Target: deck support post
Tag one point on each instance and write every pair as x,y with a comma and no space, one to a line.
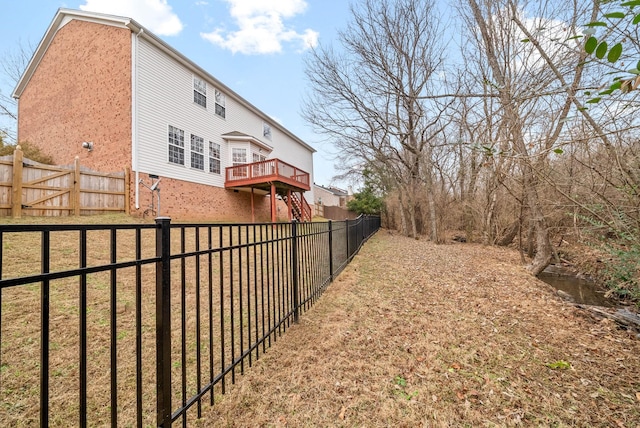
273,203
253,214
289,203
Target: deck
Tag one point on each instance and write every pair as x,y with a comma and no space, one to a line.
263,174
274,177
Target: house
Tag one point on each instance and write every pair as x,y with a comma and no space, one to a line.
331,202
106,89
330,196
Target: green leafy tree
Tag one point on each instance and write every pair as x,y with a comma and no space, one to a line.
29,150
367,201
618,45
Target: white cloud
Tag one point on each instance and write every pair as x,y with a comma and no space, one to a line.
261,27
154,14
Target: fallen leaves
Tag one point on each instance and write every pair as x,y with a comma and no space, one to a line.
442,349
341,415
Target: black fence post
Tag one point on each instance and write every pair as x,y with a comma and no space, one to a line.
294,259
163,322
330,251
44,329
346,222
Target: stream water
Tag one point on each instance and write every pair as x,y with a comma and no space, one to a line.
582,290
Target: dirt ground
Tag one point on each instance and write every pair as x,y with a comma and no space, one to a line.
416,334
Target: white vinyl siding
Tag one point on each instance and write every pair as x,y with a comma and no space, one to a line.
165,98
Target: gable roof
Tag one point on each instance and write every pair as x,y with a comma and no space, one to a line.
333,190
241,136
63,16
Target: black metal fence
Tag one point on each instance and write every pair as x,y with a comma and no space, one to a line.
139,324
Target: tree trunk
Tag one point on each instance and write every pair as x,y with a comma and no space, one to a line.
544,250
403,214
489,236
510,234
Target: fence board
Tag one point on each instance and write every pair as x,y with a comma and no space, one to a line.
34,189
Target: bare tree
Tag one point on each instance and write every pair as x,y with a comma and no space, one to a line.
535,68
369,97
13,65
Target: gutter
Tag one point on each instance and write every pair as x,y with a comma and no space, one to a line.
134,110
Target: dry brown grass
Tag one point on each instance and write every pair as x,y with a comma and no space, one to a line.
21,326
410,334
414,334
21,323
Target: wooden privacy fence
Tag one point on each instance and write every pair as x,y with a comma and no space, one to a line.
334,213
34,189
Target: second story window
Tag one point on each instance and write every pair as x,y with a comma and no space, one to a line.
176,145
220,104
266,131
197,152
199,91
214,157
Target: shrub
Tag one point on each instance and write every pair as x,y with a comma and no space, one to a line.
29,150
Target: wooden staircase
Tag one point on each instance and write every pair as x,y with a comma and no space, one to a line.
300,209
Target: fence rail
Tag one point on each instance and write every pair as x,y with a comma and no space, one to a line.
34,189
140,324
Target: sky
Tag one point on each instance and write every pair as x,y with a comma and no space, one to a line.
256,47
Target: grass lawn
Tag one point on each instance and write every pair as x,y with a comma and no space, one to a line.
410,334
417,334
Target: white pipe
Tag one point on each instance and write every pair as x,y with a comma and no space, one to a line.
134,114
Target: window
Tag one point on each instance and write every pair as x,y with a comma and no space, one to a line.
266,131
259,169
199,92
214,157
220,104
197,152
238,156
176,145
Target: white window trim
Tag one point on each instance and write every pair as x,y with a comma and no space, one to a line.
218,158
220,101
233,162
193,151
266,131
200,87
173,144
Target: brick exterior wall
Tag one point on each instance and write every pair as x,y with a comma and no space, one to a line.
81,91
184,201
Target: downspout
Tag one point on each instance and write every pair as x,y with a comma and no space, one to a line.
134,114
